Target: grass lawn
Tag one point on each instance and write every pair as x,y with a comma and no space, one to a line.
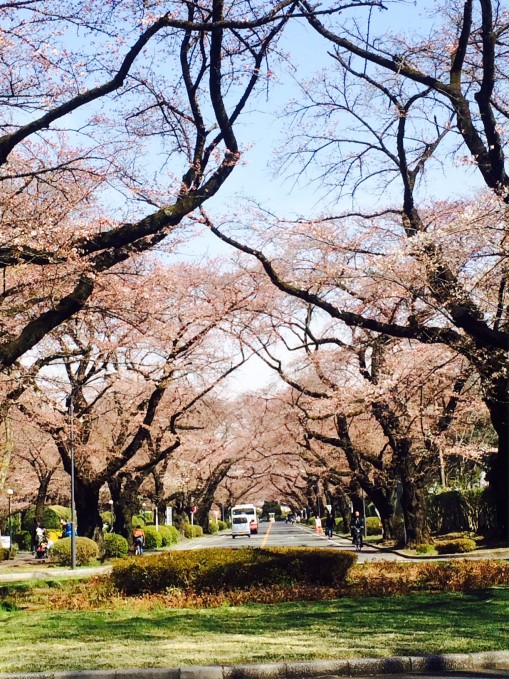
361,627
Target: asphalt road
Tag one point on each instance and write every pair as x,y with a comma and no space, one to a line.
280,534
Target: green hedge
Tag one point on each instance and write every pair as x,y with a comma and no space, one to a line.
213,527
115,546
192,531
169,535
222,525
223,569
373,525
153,538
51,517
4,554
86,551
458,546
24,540
138,520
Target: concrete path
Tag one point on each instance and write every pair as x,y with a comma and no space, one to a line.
493,664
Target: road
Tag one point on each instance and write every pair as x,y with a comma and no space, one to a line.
280,534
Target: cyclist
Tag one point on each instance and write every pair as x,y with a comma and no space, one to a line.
138,539
357,530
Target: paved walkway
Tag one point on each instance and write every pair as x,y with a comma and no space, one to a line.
493,664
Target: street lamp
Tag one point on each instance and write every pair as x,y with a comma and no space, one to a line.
10,493
73,508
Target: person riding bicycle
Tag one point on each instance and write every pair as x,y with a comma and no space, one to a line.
138,539
357,528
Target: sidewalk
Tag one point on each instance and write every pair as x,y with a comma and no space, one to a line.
25,566
440,665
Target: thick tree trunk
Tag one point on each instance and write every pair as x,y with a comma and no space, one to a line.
87,508
497,400
125,495
381,497
40,500
412,498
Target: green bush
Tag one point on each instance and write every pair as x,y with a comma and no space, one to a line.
165,536
213,527
4,554
107,518
24,540
339,525
458,546
115,546
192,531
425,549
138,520
51,517
222,525
373,525
153,538
219,569
86,551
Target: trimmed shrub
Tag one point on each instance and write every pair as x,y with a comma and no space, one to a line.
175,534
107,518
219,569
222,525
373,525
339,525
458,546
4,554
425,549
115,546
51,517
153,538
213,527
165,533
24,540
192,531
86,551
138,520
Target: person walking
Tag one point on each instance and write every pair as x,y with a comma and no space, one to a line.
138,539
329,525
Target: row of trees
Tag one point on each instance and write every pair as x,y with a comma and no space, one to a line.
396,310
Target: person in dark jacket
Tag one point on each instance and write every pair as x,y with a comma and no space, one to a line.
357,527
329,525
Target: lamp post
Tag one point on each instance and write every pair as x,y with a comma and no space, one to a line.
10,493
73,508
110,502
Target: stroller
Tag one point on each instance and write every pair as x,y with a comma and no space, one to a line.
41,551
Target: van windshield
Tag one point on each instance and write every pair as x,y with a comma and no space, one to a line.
240,519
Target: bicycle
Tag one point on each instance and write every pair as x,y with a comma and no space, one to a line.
138,547
357,538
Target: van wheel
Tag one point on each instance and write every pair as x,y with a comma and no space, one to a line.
233,536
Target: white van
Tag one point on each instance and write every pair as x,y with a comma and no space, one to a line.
241,525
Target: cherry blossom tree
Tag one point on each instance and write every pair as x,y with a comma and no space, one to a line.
433,271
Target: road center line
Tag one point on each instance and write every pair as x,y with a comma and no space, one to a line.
266,535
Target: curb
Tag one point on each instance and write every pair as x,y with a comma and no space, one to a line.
355,667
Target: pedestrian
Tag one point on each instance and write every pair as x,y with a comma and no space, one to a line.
66,529
329,525
357,528
39,534
138,539
318,525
